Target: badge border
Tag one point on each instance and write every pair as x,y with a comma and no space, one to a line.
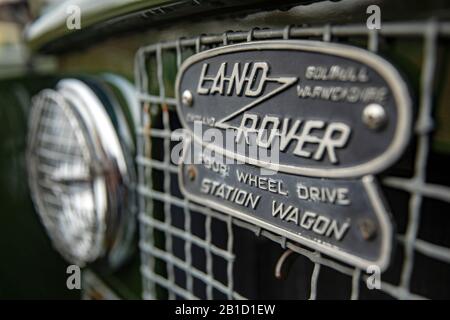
383,67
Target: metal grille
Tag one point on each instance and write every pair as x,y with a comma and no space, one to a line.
93,288
175,232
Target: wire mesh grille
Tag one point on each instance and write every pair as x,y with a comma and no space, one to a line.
175,234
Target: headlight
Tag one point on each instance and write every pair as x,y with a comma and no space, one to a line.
80,174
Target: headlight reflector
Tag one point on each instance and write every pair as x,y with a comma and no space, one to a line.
79,175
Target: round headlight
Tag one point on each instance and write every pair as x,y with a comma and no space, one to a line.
80,174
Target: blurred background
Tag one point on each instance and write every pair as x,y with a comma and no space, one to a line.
29,266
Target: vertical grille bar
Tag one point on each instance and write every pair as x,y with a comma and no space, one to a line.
230,243
314,279
423,127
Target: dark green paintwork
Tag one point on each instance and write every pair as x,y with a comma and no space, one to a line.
29,267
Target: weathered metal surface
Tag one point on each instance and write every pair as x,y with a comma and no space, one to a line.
288,134
346,219
330,110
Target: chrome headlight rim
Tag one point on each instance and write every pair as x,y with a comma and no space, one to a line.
110,168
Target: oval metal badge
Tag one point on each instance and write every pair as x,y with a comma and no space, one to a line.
327,110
